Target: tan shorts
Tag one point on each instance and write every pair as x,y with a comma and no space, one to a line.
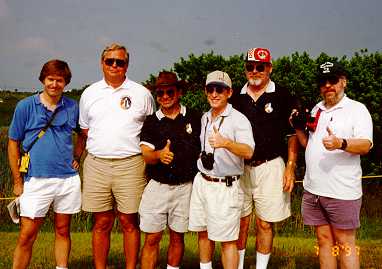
263,187
164,204
215,208
113,181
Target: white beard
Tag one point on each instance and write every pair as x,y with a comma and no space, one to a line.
255,82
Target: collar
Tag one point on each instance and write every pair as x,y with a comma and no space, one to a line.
124,85
37,101
339,105
271,87
160,114
227,111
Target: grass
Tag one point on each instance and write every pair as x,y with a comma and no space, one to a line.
288,252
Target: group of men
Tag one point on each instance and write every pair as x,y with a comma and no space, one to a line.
175,168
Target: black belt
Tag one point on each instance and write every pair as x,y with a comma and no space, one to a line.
227,179
255,163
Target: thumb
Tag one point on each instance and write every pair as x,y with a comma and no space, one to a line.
215,130
330,132
168,144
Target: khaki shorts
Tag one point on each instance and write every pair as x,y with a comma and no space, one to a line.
40,193
113,181
215,208
263,186
164,204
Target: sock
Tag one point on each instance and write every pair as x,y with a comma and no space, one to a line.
241,258
207,265
59,267
262,260
171,267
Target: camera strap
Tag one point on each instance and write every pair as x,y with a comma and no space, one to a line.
43,130
205,131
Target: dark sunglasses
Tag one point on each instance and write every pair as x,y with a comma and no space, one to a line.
169,92
118,62
332,81
251,67
219,89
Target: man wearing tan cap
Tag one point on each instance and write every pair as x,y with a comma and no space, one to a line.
170,146
266,182
216,199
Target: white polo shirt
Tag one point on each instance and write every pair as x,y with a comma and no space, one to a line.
114,117
235,127
337,174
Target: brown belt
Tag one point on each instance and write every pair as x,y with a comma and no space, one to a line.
255,163
227,179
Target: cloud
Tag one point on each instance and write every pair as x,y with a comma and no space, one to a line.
156,45
33,43
209,42
4,9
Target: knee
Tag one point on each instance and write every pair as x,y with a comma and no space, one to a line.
152,240
62,231
129,223
263,226
177,241
27,239
103,225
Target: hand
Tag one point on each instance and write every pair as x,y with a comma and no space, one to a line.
216,140
289,178
18,188
165,155
331,142
75,164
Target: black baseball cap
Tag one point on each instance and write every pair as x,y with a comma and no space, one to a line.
331,69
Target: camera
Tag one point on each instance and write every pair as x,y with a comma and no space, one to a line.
300,119
207,160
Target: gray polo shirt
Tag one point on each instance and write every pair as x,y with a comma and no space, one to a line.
236,127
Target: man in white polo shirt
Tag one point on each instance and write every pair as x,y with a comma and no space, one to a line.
112,112
341,132
216,199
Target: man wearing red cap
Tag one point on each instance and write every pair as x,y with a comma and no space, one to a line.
332,183
170,146
267,181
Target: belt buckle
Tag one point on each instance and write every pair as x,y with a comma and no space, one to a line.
228,181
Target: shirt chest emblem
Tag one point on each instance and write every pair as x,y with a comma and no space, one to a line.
268,108
125,102
188,128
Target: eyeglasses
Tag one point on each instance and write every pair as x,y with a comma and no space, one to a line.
118,62
251,67
332,81
162,92
219,89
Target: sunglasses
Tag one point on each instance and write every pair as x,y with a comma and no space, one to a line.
118,62
168,92
332,81
251,67
219,89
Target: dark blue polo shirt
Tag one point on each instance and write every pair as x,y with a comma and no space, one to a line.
52,154
269,117
183,132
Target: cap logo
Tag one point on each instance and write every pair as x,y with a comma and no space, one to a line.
326,67
262,54
251,54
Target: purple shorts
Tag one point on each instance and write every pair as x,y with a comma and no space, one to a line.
341,214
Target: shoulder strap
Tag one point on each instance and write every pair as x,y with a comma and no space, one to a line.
43,130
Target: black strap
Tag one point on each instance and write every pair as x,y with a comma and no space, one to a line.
43,130
205,130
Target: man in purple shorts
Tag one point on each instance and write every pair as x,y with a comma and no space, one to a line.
332,183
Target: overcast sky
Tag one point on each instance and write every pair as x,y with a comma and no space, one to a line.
159,32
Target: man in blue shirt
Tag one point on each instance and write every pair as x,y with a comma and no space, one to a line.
51,176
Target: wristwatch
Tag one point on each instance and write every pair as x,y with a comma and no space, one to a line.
344,144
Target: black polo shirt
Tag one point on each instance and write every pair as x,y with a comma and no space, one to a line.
183,132
269,117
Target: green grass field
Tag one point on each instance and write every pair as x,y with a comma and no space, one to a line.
288,252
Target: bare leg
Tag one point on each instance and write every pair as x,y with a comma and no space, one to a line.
230,255
349,254
243,235
101,237
206,247
264,236
326,243
150,250
28,234
62,241
131,238
175,249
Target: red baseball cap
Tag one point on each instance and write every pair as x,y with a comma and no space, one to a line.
258,55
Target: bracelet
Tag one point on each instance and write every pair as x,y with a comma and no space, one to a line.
344,144
291,163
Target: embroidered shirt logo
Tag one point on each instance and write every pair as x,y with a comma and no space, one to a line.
188,128
268,108
125,102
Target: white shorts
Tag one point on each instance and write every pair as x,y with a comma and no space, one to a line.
215,208
40,193
263,186
164,204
